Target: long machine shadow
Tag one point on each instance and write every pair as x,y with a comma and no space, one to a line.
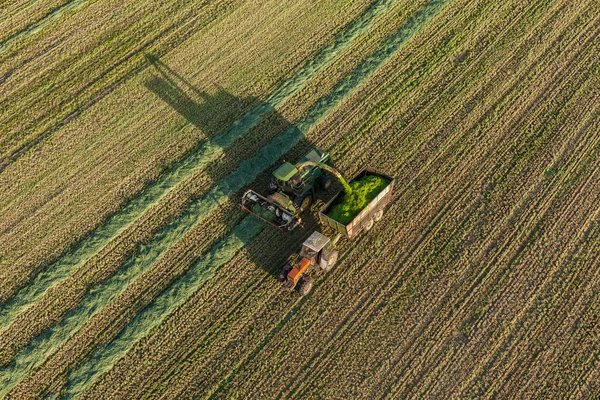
209,112
197,107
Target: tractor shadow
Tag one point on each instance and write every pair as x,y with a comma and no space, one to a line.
216,113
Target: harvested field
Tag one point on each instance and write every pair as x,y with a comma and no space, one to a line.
130,131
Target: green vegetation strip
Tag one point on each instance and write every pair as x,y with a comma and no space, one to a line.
270,154
184,169
220,254
41,24
352,203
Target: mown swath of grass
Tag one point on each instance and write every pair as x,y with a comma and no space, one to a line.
247,171
268,155
206,154
41,24
220,254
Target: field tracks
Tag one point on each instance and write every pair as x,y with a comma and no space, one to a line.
186,168
249,169
199,159
163,305
471,291
481,280
267,155
29,30
227,187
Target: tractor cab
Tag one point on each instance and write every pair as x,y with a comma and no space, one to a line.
316,250
311,248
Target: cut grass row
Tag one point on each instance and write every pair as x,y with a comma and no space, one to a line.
52,193
37,259
20,17
84,177
70,292
192,164
250,168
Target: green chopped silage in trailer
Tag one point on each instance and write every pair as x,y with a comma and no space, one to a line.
364,190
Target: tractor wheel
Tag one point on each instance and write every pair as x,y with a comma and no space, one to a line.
369,225
325,182
284,271
332,260
303,202
305,287
378,215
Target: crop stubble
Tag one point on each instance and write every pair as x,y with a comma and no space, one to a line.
446,240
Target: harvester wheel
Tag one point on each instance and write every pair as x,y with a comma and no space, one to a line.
378,215
332,260
325,182
369,224
303,202
305,287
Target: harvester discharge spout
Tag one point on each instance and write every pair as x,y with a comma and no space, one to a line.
329,169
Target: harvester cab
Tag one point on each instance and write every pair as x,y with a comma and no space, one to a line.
317,250
290,191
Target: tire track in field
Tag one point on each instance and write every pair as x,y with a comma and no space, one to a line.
198,160
36,27
442,328
250,169
268,155
500,293
530,355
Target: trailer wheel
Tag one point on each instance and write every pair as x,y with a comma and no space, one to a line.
369,224
378,215
305,287
303,202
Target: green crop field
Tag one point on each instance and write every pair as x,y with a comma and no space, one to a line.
130,130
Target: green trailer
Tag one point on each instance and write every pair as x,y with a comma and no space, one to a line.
370,214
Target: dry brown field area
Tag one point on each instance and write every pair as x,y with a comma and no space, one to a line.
129,131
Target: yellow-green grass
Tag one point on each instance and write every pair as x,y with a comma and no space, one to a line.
489,121
96,162
238,293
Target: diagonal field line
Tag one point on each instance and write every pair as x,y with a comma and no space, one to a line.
220,254
206,154
179,292
30,30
